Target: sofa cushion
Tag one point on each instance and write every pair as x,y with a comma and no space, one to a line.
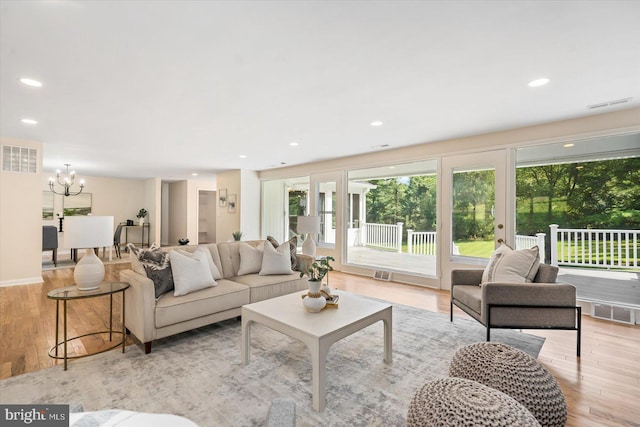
265,287
153,263
512,266
470,296
250,258
276,260
191,272
293,249
227,295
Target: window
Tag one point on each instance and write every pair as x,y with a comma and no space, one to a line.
391,220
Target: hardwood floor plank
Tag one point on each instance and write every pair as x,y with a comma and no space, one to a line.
602,387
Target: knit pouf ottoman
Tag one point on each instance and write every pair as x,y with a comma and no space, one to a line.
462,402
515,373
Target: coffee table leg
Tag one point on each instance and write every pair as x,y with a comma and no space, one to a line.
319,352
244,341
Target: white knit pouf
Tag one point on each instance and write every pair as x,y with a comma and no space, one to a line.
462,402
515,373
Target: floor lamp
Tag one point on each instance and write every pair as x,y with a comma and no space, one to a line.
88,232
309,225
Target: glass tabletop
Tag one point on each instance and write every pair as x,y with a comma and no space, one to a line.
72,292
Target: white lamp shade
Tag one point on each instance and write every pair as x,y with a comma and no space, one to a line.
88,231
308,224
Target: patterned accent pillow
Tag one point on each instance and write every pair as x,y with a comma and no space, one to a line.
293,248
155,265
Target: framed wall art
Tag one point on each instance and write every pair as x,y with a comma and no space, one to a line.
222,197
80,204
232,202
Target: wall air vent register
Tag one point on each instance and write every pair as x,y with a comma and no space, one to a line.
19,159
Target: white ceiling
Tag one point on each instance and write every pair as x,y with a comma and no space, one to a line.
167,88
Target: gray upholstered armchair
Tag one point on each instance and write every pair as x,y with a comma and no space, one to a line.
543,304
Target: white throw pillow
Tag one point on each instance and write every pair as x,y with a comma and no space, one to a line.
509,265
276,261
215,272
250,258
190,273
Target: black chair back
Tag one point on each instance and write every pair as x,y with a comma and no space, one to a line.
49,237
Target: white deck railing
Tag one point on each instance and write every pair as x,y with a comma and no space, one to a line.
574,247
382,236
421,242
526,242
596,248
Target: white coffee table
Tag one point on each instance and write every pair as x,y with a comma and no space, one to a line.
318,331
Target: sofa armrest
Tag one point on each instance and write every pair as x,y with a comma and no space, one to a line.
529,294
466,277
560,298
140,305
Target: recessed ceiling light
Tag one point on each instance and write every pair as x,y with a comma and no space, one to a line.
194,174
539,82
293,144
29,121
242,156
569,145
376,123
30,82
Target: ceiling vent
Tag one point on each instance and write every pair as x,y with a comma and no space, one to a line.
609,103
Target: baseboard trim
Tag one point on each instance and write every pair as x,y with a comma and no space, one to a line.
26,281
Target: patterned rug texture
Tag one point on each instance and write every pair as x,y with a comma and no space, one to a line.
199,375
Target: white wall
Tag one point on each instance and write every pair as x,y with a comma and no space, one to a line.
249,205
228,222
178,212
21,221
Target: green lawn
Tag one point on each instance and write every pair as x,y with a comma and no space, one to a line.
475,248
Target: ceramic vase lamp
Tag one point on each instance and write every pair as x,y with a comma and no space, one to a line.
88,232
309,225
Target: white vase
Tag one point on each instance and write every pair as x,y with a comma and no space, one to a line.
141,221
89,272
314,301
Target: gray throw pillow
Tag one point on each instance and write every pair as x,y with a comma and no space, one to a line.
157,267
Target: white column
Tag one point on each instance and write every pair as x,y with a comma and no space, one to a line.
554,244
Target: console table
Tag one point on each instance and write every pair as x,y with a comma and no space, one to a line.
72,293
146,227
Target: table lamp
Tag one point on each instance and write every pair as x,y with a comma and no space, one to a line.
88,232
309,225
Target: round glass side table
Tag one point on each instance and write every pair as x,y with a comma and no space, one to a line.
72,293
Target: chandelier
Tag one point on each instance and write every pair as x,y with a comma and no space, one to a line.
66,181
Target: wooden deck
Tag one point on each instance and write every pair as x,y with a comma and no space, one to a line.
592,285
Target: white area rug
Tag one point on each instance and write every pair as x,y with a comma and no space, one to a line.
199,375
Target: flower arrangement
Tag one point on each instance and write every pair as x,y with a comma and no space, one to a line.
142,213
318,269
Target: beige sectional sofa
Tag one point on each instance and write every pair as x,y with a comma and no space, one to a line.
149,318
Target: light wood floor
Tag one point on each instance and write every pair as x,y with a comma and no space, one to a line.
602,387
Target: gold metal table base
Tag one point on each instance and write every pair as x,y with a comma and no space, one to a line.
53,351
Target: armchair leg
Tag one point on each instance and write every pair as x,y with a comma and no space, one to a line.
450,310
55,257
579,328
488,333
